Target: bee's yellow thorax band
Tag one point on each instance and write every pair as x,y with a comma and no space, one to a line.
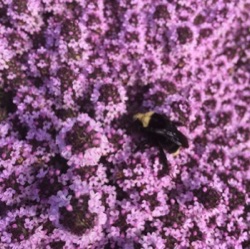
176,153
144,118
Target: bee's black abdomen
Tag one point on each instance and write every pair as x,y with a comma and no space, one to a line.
172,148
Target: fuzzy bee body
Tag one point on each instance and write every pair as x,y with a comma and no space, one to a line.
162,130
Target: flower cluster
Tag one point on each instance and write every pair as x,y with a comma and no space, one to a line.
75,172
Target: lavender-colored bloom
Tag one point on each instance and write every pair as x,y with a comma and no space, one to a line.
74,171
82,141
109,100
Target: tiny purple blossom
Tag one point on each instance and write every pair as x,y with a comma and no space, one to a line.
74,171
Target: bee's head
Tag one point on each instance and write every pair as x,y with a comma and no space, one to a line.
143,118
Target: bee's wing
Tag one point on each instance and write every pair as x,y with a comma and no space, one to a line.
174,136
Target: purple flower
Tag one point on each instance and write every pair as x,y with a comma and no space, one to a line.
82,141
109,100
75,172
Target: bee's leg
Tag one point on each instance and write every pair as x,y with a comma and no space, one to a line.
164,161
163,156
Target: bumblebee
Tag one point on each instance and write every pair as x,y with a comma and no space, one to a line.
161,130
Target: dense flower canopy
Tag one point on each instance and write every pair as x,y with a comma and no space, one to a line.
74,172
